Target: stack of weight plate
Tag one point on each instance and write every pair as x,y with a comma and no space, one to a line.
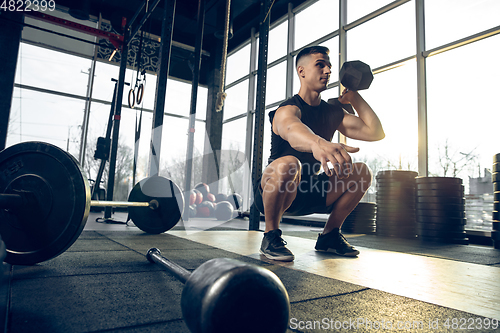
441,210
361,220
396,203
495,233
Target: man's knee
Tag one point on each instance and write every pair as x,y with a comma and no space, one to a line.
282,174
363,172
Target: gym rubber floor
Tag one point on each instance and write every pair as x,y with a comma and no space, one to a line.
103,283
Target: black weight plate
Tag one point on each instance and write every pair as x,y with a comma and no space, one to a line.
57,216
496,186
496,205
496,158
495,235
496,167
171,204
495,177
395,193
397,174
441,180
439,193
446,213
496,196
496,225
391,183
395,206
496,215
442,227
441,200
441,219
438,186
430,205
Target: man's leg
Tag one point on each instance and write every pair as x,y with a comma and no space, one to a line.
279,184
344,195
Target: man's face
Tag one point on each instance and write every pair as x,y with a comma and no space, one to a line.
314,71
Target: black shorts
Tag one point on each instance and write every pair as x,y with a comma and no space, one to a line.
310,199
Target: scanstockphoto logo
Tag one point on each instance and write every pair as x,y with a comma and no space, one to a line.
231,167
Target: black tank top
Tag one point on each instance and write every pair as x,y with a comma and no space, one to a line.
323,120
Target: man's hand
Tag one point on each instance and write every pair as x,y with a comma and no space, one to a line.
347,96
335,153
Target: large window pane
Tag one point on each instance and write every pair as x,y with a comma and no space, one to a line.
385,39
359,8
463,126
277,45
45,117
236,101
449,20
52,70
233,161
396,108
316,21
276,83
238,64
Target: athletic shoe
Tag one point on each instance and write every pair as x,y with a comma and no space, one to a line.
335,242
273,247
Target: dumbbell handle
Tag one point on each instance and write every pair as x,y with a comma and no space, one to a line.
155,257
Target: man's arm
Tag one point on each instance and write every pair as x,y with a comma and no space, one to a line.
287,124
366,126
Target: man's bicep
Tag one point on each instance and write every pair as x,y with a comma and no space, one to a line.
350,126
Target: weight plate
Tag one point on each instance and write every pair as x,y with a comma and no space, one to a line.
381,183
496,158
438,186
496,215
447,213
441,200
430,205
438,226
396,174
496,226
496,186
59,204
495,177
441,219
439,193
496,167
496,205
441,180
395,192
495,235
496,196
168,213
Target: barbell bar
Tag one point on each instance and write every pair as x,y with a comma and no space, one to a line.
45,201
227,295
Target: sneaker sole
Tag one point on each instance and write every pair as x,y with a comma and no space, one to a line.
278,258
348,254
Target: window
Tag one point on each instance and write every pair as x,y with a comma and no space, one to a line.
316,21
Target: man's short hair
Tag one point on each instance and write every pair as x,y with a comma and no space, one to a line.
311,50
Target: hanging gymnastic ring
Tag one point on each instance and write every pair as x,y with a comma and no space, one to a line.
140,94
131,102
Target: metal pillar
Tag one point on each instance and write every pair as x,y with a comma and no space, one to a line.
194,96
342,49
260,106
161,85
290,66
116,125
422,92
10,37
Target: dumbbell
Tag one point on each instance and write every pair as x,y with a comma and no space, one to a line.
354,75
226,295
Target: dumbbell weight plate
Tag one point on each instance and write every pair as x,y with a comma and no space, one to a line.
444,213
496,186
60,205
441,220
438,226
440,180
496,196
496,205
495,177
496,167
170,200
496,158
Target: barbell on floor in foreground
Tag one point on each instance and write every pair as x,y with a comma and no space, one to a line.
45,202
226,295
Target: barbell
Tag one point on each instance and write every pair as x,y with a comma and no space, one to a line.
226,295
45,202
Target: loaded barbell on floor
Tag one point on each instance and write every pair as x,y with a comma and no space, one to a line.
45,202
226,295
